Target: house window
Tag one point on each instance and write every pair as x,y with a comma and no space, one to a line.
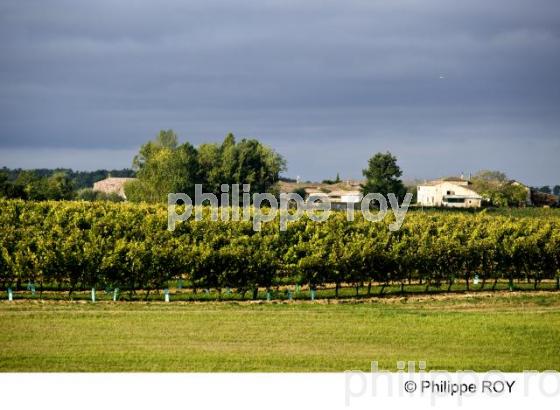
455,200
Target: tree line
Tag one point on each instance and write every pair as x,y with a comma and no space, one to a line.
163,166
55,184
79,245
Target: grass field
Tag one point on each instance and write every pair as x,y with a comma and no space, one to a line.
503,331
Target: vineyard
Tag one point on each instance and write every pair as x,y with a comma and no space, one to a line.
72,247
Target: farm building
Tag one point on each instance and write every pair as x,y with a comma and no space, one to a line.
339,199
112,186
451,192
339,194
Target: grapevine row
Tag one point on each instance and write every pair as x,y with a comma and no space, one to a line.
79,245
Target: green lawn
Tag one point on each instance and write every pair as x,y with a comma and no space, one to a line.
503,331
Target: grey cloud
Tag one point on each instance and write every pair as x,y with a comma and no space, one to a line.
314,75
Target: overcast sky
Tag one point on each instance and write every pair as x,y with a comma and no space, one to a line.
447,86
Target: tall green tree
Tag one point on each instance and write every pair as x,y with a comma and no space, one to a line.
245,162
59,186
31,186
383,176
163,166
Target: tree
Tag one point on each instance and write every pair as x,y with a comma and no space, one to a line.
556,190
4,185
165,139
163,167
382,176
31,186
245,162
88,194
490,176
80,179
496,188
546,189
59,186
301,192
331,181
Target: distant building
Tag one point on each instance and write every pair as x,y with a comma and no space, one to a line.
339,199
112,186
453,192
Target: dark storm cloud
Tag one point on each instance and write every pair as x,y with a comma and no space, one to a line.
448,86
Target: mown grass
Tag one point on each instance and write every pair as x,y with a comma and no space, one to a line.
502,331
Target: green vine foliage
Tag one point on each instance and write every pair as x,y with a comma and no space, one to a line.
79,245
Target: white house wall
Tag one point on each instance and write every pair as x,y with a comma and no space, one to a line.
432,195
